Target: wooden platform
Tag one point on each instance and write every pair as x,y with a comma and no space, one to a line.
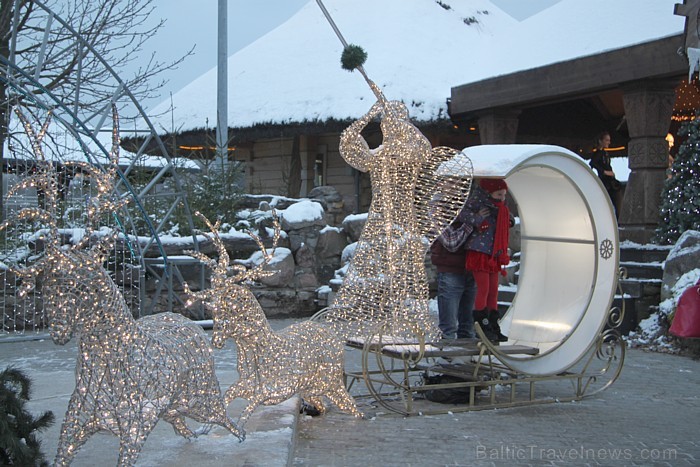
402,348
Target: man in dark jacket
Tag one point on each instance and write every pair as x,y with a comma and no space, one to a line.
600,162
456,287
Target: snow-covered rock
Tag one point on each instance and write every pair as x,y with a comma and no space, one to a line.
353,225
684,257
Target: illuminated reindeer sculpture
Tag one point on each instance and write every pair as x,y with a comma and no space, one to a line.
304,358
130,373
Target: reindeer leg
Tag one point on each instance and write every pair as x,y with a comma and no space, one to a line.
203,429
253,403
344,401
214,406
74,432
339,395
133,437
219,416
236,390
225,422
173,417
316,401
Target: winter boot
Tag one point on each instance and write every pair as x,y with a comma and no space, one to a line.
495,327
482,317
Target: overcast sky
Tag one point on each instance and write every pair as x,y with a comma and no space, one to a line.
195,24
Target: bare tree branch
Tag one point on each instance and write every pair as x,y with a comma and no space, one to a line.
76,71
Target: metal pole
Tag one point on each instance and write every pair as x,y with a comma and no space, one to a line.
222,86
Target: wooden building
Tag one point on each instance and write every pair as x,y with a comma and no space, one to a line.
634,89
638,93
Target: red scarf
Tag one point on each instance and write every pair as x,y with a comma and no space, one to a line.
500,239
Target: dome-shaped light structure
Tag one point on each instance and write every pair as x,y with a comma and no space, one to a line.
569,253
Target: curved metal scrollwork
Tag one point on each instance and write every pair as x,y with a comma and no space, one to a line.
609,350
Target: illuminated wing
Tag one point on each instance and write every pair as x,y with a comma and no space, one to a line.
442,188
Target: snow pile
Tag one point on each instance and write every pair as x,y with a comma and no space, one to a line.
279,254
652,334
303,211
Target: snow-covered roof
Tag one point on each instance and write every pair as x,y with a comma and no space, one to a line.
67,147
417,51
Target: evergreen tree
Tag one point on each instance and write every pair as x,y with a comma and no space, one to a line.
18,442
216,191
680,198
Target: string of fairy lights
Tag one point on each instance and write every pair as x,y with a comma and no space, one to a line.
687,101
304,358
129,373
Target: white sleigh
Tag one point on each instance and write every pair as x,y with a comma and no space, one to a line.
561,326
569,262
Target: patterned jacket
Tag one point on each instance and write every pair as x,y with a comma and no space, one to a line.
481,238
447,252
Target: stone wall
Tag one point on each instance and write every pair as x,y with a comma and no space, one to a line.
319,248
308,254
310,257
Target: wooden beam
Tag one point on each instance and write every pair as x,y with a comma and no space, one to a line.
571,79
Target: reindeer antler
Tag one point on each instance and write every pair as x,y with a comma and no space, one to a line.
104,184
223,262
221,268
257,272
46,180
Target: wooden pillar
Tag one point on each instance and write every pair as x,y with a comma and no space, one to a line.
648,111
498,126
307,151
294,183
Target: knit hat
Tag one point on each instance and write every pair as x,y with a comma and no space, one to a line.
493,184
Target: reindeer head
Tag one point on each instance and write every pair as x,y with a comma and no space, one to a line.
234,308
73,276
76,289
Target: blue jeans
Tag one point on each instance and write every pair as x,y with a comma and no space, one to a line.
456,294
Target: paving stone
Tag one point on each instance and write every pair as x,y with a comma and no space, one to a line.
649,416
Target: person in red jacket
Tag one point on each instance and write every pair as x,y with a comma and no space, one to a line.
487,249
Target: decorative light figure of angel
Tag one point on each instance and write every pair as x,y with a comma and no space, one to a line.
386,284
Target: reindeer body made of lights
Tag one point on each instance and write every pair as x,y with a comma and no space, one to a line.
305,358
129,373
